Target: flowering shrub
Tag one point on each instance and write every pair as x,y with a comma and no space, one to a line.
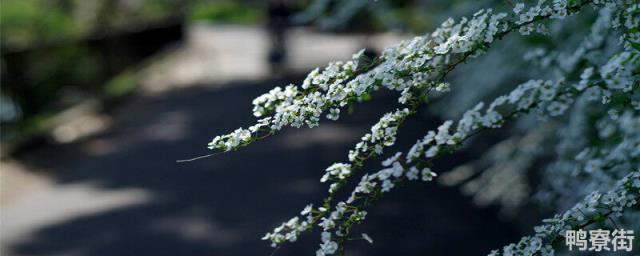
595,84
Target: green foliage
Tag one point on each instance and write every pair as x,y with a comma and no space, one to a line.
225,12
121,85
34,21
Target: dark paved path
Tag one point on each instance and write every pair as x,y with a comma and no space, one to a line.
224,204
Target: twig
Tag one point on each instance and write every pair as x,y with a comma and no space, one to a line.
198,157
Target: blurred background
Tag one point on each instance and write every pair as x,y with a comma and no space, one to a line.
100,98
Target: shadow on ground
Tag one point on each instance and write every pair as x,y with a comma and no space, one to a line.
222,205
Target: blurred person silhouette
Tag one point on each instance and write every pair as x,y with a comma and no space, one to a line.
278,14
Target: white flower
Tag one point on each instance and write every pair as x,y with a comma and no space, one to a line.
518,8
593,93
392,159
307,209
443,136
557,108
584,78
431,152
325,236
337,170
327,223
412,174
397,169
386,186
334,114
428,175
443,87
525,30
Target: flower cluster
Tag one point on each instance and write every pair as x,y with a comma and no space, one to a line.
415,67
625,194
433,144
382,134
504,166
588,49
407,67
338,170
290,230
534,95
407,63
